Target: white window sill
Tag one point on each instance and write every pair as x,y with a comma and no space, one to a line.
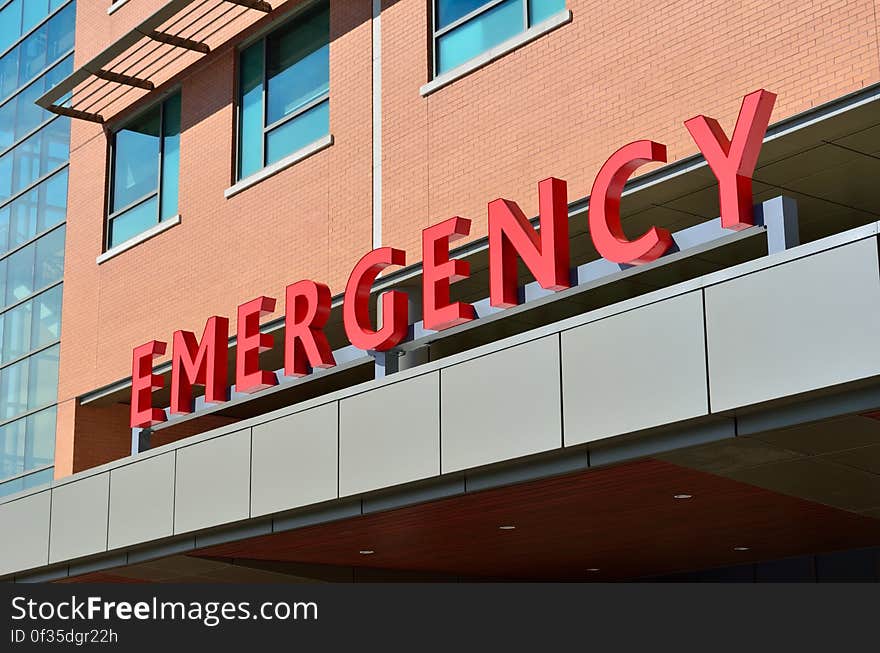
155,230
116,5
278,166
534,32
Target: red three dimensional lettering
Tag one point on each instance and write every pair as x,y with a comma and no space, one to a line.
250,343
604,211
306,313
733,161
199,363
356,305
143,382
438,272
546,255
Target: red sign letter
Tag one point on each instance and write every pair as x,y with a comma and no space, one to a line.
438,272
250,343
194,363
604,212
733,161
143,382
306,313
356,306
545,255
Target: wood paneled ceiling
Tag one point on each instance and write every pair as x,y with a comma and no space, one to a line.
623,520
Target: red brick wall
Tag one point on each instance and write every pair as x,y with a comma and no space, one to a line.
557,106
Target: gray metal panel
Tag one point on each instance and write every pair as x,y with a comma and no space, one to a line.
796,327
635,370
79,518
501,406
295,460
390,435
212,484
25,525
142,501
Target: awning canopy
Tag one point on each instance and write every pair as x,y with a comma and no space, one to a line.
147,56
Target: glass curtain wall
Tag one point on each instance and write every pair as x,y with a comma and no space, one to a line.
36,52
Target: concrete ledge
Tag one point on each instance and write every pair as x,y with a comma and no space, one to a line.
490,55
278,166
155,230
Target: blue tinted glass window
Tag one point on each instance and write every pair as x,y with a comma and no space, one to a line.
35,266
37,479
33,55
46,317
39,154
40,478
291,70
23,217
479,34
541,10
61,32
136,160
10,24
16,332
40,48
33,11
132,222
33,212
145,172
49,258
13,389
39,448
9,73
43,377
20,274
449,11
464,29
295,134
12,442
297,64
170,157
31,325
250,140
20,115
53,201
5,212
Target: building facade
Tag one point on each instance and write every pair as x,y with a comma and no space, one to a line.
242,390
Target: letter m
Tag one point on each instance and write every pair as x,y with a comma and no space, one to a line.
199,363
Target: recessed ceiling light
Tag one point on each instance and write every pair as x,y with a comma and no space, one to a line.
682,496
740,548
593,570
507,528
366,552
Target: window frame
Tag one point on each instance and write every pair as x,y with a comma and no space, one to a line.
262,37
436,33
111,171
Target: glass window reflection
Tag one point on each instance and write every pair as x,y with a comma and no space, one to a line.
52,40
136,160
145,172
290,69
464,29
